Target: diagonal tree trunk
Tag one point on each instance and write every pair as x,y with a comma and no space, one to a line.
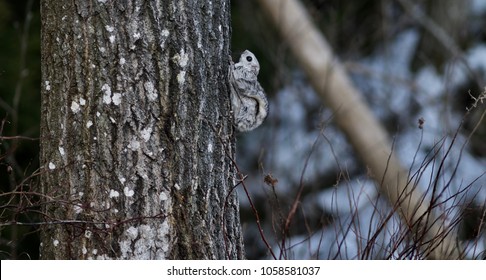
135,133
364,132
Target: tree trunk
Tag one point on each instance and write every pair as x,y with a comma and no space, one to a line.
136,139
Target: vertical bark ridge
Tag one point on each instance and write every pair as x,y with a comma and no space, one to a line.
133,163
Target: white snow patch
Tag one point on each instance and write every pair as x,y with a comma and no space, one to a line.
132,232
75,107
125,248
61,150
89,124
151,93
47,85
55,242
84,250
137,35
109,28
183,58
82,101
52,166
128,192
162,234
210,148
112,39
103,257
163,196
473,248
394,62
122,61
165,33
77,208
476,57
88,234
143,248
181,77
106,93
348,196
433,85
146,133
134,145
116,98
114,193
144,245
478,7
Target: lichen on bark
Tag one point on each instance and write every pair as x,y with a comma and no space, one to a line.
138,104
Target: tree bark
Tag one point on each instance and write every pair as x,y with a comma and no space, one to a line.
136,139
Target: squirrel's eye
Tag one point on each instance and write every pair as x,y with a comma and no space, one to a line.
249,59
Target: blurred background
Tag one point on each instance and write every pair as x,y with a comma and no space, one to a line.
390,50
19,116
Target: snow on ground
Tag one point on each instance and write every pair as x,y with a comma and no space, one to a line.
478,7
288,138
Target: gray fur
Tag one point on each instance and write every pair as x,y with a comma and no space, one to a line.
248,100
